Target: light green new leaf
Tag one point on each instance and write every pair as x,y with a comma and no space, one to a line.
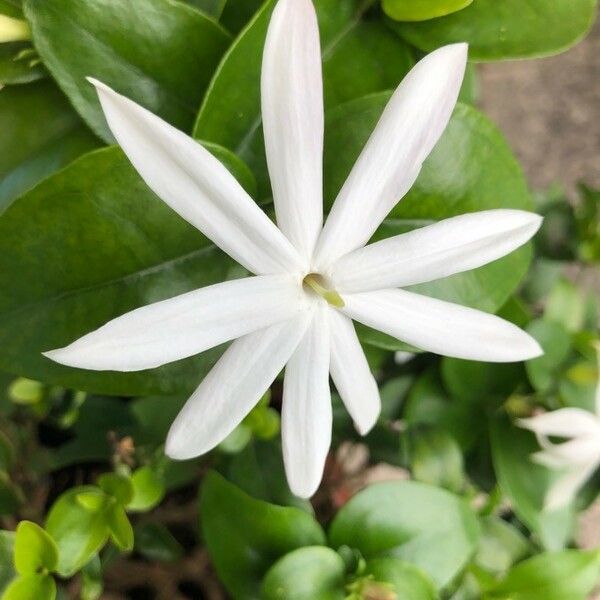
311,573
506,29
160,53
31,587
118,486
567,575
35,550
359,58
421,10
87,245
423,525
404,579
245,536
121,531
41,133
148,489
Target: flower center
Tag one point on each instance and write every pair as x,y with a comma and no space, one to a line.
317,284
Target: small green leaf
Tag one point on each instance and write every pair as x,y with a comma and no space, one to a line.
148,489
155,542
566,575
118,486
566,306
35,550
31,587
93,500
120,528
421,10
405,580
501,545
7,572
245,536
91,580
26,391
311,573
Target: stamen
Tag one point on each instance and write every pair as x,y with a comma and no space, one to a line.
315,282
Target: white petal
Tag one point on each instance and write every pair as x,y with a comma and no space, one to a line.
292,113
450,246
351,373
409,128
233,387
565,422
306,415
578,451
441,327
185,325
197,186
564,490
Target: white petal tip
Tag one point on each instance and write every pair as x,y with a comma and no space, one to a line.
61,356
458,51
365,426
534,350
303,489
175,449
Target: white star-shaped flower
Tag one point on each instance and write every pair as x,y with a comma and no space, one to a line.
578,457
310,279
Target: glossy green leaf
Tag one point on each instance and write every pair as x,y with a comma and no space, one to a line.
501,545
148,489
11,8
118,486
421,524
245,536
41,133
31,587
359,57
555,340
525,483
121,531
35,550
79,531
236,15
504,29
312,573
109,245
112,40
214,8
421,10
19,64
567,575
405,580
155,542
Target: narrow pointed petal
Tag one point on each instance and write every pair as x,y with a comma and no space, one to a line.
306,416
185,325
577,451
351,373
197,186
233,387
408,129
564,490
445,248
292,113
565,422
441,327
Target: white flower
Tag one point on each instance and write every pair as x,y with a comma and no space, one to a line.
310,280
578,457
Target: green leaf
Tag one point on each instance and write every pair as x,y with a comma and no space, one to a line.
91,580
159,53
109,245
504,29
19,64
359,57
312,573
406,580
567,575
155,542
7,571
79,530
525,483
236,15
423,525
501,545
421,10
10,8
35,550
40,134
214,8
555,340
121,531
31,587
148,489
118,486
245,536
566,306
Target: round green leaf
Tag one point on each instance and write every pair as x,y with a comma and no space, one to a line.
31,587
118,486
79,530
40,134
35,550
148,489
406,580
121,531
111,40
88,244
505,29
567,575
312,573
429,527
421,10
245,536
